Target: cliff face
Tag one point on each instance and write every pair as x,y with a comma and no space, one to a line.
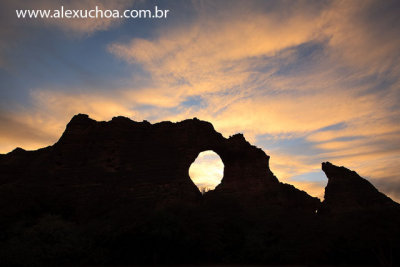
119,192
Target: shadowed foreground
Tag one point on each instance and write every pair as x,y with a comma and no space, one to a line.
118,193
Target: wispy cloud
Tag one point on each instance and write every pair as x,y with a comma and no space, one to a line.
75,26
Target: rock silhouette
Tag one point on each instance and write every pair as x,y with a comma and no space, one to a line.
348,192
119,192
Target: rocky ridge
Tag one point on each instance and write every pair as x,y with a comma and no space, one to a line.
119,192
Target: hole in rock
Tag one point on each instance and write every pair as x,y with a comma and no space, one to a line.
207,171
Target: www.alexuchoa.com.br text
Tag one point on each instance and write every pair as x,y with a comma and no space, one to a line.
95,13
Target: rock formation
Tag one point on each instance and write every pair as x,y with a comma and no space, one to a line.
119,192
346,191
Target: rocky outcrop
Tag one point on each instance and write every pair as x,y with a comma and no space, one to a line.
119,193
346,191
360,224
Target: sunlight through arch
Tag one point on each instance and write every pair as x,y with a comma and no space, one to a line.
207,171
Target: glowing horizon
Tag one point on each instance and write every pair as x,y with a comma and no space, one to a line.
207,170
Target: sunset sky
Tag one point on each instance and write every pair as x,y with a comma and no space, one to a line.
306,81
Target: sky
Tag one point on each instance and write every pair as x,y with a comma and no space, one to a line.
207,170
306,81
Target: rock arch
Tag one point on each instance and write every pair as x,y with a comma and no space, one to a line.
155,159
